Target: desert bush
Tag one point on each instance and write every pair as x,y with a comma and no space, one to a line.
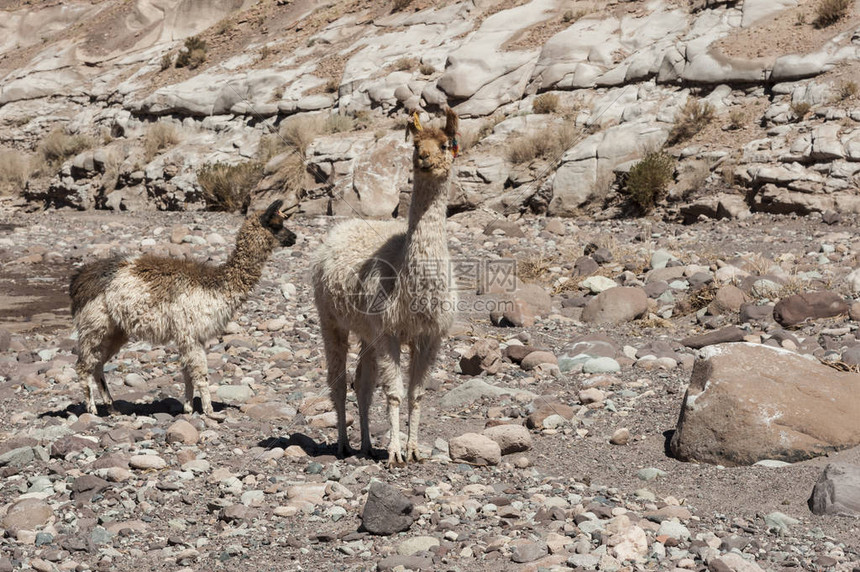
401,4
737,118
228,187
332,85
159,136
847,89
194,54
549,144
545,103
57,146
649,178
405,64
14,171
426,69
694,117
338,123
828,12
297,133
799,109
166,61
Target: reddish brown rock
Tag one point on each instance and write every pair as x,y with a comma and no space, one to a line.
728,299
618,304
748,402
721,336
808,306
544,410
483,356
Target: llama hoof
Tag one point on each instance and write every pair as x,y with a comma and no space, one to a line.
344,451
412,456
395,459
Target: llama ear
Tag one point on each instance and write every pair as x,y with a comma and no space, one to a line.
289,211
271,211
414,126
452,123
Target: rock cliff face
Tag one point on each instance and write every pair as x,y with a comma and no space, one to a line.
559,101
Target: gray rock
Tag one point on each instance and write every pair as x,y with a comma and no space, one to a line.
387,511
837,491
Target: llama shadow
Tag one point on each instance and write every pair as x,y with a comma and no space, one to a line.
168,405
314,449
667,440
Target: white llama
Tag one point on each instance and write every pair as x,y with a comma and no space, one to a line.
164,300
389,283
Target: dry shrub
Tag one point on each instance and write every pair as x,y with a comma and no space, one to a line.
828,12
534,269
228,187
166,61
847,89
799,109
338,123
405,64
472,137
194,53
737,119
649,178
426,69
57,146
158,137
15,169
332,85
297,133
545,103
549,144
401,5
694,117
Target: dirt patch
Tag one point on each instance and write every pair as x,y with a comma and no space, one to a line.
35,301
791,32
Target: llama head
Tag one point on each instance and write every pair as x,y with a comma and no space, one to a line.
273,221
435,148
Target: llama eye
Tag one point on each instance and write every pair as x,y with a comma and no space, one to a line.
444,146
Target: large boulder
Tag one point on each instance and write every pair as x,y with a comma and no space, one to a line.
837,491
748,402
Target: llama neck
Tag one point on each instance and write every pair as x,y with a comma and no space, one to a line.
244,267
426,239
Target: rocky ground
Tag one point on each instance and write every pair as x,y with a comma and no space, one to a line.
585,481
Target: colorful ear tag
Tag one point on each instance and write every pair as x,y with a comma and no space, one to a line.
455,146
416,122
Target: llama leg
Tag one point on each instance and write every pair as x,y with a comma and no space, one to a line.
195,362
365,384
392,384
110,346
336,342
92,330
423,357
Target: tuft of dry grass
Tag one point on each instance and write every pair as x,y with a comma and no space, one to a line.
228,187
695,116
166,61
426,69
737,119
847,90
15,169
800,109
828,12
405,64
545,103
401,5
57,146
159,136
472,137
549,144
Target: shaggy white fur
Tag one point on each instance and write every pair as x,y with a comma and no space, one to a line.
165,300
389,283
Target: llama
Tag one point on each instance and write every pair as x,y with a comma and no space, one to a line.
388,283
164,300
